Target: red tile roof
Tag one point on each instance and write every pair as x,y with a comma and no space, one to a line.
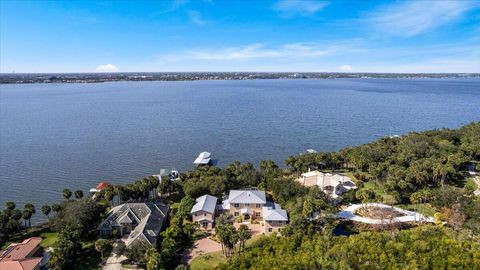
102,185
26,264
17,255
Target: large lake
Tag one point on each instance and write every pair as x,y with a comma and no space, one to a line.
55,136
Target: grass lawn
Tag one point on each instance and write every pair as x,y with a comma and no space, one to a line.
424,208
208,261
213,259
48,237
379,191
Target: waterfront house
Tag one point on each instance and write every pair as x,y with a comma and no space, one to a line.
275,218
140,222
247,205
333,184
26,255
203,212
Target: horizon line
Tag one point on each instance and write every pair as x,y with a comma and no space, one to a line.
273,72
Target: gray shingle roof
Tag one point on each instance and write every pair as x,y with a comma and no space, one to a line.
149,216
205,203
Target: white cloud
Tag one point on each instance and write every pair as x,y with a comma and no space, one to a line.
411,18
346,68
259,51
290,8
196,17
106,68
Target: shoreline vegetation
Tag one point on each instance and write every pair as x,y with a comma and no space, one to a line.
427,172
26,78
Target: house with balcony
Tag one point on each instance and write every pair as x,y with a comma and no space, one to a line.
275,218
248,205
203,212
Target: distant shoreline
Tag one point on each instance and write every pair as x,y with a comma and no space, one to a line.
29,78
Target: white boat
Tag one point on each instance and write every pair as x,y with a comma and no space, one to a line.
203,159
174,175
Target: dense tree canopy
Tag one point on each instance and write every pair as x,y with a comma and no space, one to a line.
420,248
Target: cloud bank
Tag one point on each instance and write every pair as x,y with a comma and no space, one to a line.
106,68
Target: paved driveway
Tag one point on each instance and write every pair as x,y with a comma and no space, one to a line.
255,228
114,262
207,245
200,247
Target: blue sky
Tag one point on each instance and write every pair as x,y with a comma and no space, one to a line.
214,35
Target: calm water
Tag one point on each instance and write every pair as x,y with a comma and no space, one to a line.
54,136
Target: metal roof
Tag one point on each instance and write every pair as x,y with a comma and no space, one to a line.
247,196
205,203
274,214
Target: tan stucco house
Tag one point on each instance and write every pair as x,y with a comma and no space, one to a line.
333,184
203,212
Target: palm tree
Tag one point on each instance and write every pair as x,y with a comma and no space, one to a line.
154,182
30,207
46,209
10,205
78,194
27,215
67,193
17,215
56,208
244,234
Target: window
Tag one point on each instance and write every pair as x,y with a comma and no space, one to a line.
247,205
235,214
269,229
258,205
236,205
257,214
204,214
279,229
